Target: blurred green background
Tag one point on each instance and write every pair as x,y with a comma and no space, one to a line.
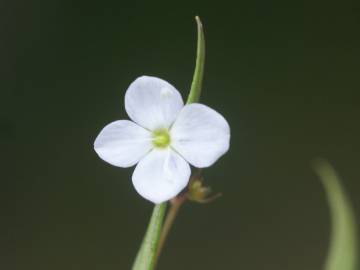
285,74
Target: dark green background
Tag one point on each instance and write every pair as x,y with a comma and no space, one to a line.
285,74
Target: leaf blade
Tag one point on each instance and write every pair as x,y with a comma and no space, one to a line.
343,250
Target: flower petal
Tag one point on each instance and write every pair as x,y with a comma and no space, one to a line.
123,143
200,134
152,102
161,175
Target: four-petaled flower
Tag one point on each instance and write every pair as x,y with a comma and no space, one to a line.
164,137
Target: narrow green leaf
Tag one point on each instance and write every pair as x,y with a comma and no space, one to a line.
343,252
146,257
198,76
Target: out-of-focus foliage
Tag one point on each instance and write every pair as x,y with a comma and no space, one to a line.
343,246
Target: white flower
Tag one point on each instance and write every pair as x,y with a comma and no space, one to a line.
164,137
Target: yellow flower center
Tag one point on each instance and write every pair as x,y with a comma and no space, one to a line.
161,138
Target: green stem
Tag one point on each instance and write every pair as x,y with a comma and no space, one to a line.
194,96
146,257
176,203
196,85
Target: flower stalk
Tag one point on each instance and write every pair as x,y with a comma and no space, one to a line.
175,205
196,85
146,257
156,233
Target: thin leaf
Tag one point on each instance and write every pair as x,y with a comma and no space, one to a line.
146,257
198,76
343,251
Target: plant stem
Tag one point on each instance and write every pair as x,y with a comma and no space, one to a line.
169,220
196,85
152,244
147,255
194,96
